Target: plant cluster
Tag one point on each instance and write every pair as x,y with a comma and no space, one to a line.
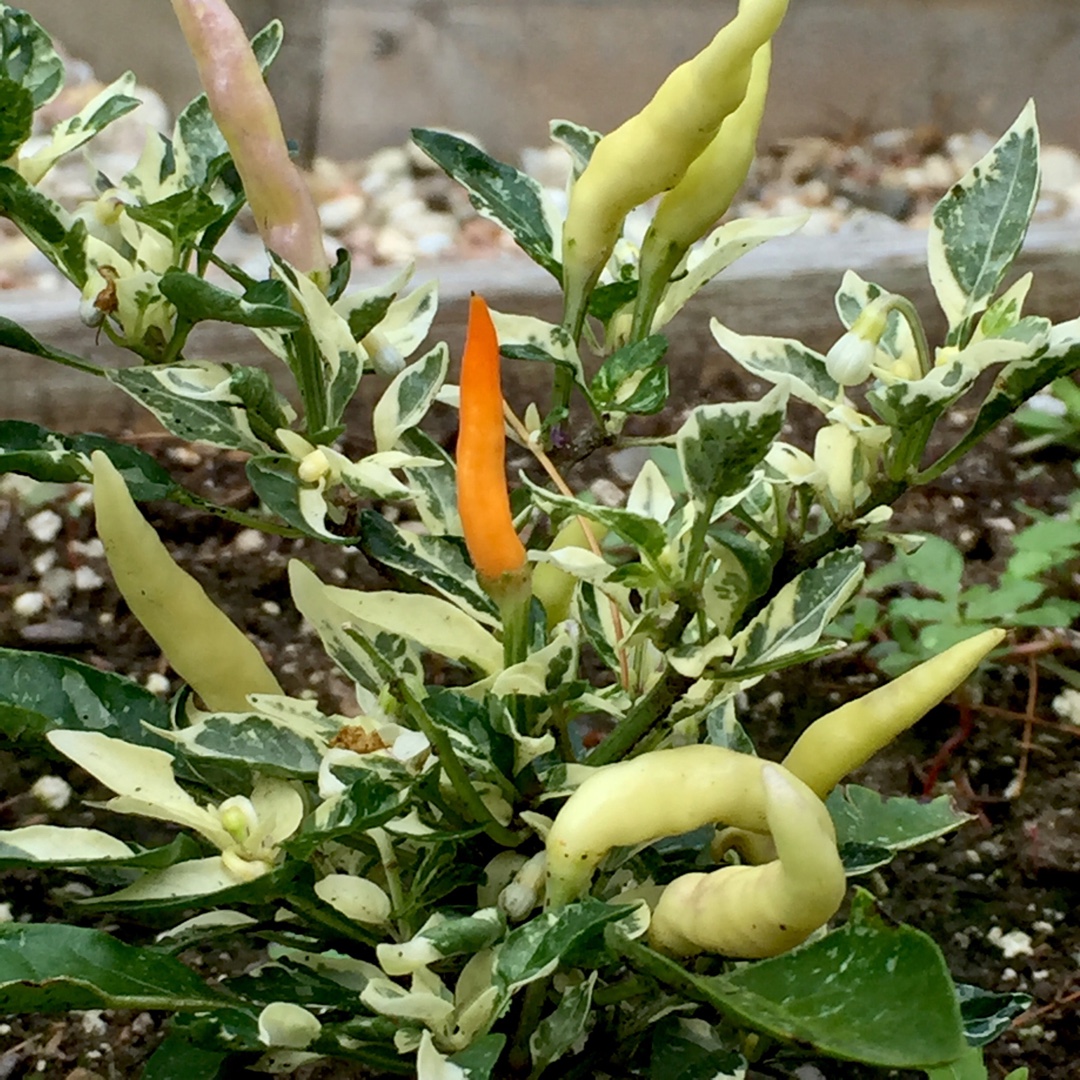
520,864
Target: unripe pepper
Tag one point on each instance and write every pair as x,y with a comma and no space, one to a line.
483,499
554,587
652,151
756,911
204,647
244,111
703,195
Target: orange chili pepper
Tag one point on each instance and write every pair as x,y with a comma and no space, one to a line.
483,499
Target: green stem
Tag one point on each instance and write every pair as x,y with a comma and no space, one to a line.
388,858
183,328
455,771
71,361
237,517
911,316
311,382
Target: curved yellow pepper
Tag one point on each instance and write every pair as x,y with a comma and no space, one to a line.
651,152
204,647
755,911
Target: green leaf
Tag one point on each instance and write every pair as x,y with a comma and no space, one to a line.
782,361
195,129
479,1060
633,379
13,336
45,224
986,1014
968,1066
28,56
198,300
40,693
498,191
49,968
865,819
367,802
110,104
177,1059
263,743
181,217
689,1050
979,226
16,116
865,992
720,445
796,617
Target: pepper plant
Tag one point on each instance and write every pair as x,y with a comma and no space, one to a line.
516,870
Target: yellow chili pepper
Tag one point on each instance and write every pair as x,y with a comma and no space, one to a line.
848,737
661,793
755,911
652,151
204,647
245,112
703,195
483,499
842,740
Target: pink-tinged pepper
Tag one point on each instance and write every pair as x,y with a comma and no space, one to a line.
245,112
483,499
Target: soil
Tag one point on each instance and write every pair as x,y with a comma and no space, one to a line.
1016,868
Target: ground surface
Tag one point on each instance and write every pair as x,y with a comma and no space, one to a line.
1015,869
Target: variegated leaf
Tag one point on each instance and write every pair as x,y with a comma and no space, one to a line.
408,319
499,192
114,101
61,846
441,937
720,445
350,650
524,337
408,397
364,309
782,361
434,488
194,400
980,224
650,495
716,253
578,141
794,620
437,561
432,622
644,533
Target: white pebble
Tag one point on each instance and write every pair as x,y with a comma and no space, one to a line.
29,604
45,526
6,913
53,792
157,683
57,583
88,549
249,541
1014,943
606,492
92,1024
87,579
271,607
1067,706
44,562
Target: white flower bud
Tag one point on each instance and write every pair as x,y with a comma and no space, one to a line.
849,361
314,467
238,817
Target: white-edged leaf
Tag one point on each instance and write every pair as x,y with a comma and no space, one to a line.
650,495
979,225
782,361
720,445
57,844
716,253
408,397
356,898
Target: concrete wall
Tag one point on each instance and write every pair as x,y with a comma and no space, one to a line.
358,73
